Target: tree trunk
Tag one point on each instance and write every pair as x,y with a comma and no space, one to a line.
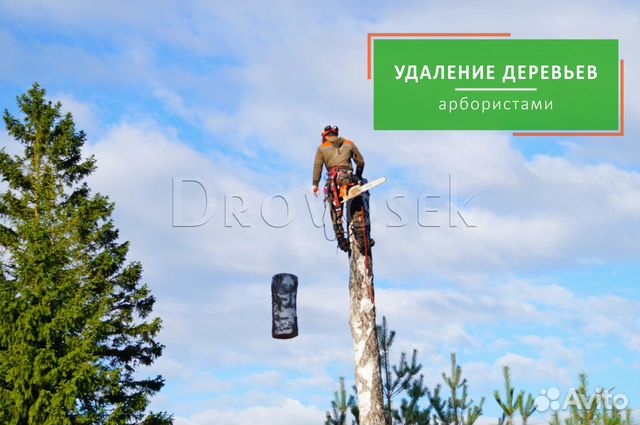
365,339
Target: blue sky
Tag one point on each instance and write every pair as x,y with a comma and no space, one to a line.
236,95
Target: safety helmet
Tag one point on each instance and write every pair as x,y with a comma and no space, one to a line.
328,130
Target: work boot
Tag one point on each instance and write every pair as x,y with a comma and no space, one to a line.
362,242
343,244
370,243
362,233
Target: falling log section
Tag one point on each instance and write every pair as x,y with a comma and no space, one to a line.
365,339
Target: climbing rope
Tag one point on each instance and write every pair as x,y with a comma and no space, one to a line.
366,256
324,226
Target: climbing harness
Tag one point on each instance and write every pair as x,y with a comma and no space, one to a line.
338,178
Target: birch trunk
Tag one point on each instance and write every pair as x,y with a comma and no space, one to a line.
365,339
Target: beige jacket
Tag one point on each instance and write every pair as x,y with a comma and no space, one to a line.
336,152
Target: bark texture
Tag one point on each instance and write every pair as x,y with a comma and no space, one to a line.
365,339
284,287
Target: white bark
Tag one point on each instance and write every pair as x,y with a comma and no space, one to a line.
365,339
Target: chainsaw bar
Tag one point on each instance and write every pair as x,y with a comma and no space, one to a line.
357,190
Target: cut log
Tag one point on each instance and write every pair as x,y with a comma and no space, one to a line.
284,289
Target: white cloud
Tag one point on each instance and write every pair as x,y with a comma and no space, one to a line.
286,412
534,369
84,114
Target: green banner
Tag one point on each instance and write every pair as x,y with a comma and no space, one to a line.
566,85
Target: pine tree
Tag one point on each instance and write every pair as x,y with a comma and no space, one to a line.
582,413
510,403
457,409
395,378
526,408
592,408
353,406
74,317
410,412
339,405
555,419
390,386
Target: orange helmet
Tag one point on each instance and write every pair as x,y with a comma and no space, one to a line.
328,130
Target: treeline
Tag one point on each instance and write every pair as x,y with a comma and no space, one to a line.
408,401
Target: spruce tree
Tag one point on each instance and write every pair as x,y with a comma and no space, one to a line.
75,322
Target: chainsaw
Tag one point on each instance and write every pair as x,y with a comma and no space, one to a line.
357,190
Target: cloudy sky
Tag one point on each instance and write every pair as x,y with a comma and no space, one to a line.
234,95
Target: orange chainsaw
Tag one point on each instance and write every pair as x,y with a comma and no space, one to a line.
357,190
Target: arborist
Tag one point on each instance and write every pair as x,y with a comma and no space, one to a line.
336,154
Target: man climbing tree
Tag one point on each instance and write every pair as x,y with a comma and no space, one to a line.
336,155
74,316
